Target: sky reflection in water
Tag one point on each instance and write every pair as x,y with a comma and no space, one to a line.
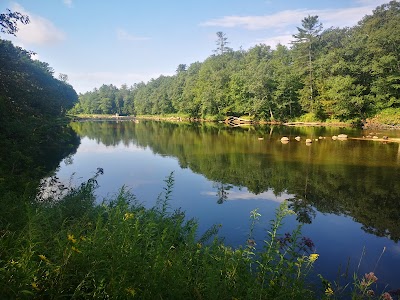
337,237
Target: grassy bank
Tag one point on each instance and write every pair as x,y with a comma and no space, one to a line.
72,247
387,118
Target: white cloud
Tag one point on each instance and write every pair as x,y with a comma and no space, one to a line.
282,25
123,35
245,195
35,56
275,40
274,21
372,2
83,82
39,31
284,19
68,3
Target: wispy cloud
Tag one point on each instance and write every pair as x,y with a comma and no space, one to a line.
275,40
123,35
371,2
273,21
39,31
245,195
283,19
68,3
282,25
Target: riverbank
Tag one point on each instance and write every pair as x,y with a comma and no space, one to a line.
100,117
387,119
375,123
186,118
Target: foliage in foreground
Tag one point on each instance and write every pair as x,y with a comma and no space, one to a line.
71,247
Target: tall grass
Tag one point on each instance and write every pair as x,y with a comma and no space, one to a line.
74,248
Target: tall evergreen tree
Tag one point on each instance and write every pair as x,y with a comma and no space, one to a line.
222,42
305,42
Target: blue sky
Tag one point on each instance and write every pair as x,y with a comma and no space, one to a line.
127,41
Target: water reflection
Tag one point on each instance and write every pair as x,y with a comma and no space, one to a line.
222,191
360,179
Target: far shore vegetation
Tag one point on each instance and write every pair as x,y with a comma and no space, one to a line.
333,75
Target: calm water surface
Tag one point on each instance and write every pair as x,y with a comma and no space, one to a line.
347,193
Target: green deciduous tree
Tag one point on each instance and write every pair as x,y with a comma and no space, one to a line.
9,21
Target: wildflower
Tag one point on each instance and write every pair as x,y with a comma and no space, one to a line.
44,258
363,283
71,238
35,286
307,242
13,262
313,257
386,296
329,291
131,291
128,216
254,214
76,249
283,241
290,212
370,293
370,277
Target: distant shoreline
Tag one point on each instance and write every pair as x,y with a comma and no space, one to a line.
98,117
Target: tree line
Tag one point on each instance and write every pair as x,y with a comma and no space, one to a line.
346,73
33,102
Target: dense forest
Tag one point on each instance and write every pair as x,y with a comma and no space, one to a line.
32,106
34,135
346,74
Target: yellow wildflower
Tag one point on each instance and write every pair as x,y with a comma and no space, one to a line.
44,258
313,257
291,212
130,291
128,216
76,249
71,238
329,291
83,238
35,286
13,262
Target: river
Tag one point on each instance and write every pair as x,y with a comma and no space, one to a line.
346,193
